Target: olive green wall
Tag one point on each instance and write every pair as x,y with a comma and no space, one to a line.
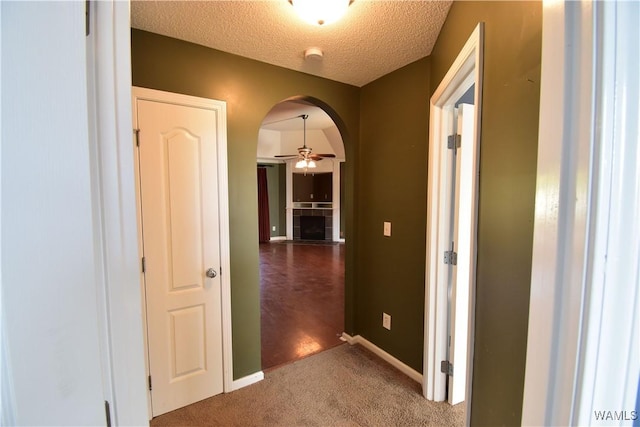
394,118
511,93
251,89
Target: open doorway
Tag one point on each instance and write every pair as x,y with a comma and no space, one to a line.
454,146
300,161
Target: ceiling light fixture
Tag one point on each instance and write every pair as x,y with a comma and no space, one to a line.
320,12
305,161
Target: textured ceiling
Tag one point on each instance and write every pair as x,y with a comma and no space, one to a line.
285,116
371,40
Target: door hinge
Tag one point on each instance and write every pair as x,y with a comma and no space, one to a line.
137,132
150,388
454,142
87,17
446,367
144,265
451,257
107,412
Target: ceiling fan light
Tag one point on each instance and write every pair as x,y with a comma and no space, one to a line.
311,164
301,164
320,12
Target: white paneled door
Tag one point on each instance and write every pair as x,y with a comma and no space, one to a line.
180,235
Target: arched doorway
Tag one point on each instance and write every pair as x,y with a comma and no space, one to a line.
302,238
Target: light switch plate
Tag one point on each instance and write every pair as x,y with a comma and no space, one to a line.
387,229
386,321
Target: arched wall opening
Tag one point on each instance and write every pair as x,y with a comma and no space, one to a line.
289,128
301,230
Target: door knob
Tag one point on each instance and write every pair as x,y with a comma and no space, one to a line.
211,273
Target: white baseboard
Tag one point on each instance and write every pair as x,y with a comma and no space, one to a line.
247,381
399,365
276,238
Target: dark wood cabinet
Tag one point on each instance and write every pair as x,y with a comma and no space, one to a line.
313,187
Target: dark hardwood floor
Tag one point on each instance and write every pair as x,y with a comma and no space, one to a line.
301,300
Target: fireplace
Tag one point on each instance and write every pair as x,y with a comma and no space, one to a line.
312,228
317,224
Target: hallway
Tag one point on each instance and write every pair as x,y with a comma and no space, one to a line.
301,299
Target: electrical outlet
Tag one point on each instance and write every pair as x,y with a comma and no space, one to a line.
386,321
387,229
273,228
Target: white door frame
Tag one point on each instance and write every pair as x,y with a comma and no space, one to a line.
114,173
465,71
220,107
583,341
112,169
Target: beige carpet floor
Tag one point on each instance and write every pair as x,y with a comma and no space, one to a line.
343,386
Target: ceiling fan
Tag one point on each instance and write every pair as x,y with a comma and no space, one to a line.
306,158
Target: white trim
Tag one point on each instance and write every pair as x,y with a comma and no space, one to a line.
246,381
559,235
335,197
7,403
97,208
609,369
464,72
561,214
278,239
141,93
223,206
270,160
289,200
114,176
399,365
583,340
225,251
